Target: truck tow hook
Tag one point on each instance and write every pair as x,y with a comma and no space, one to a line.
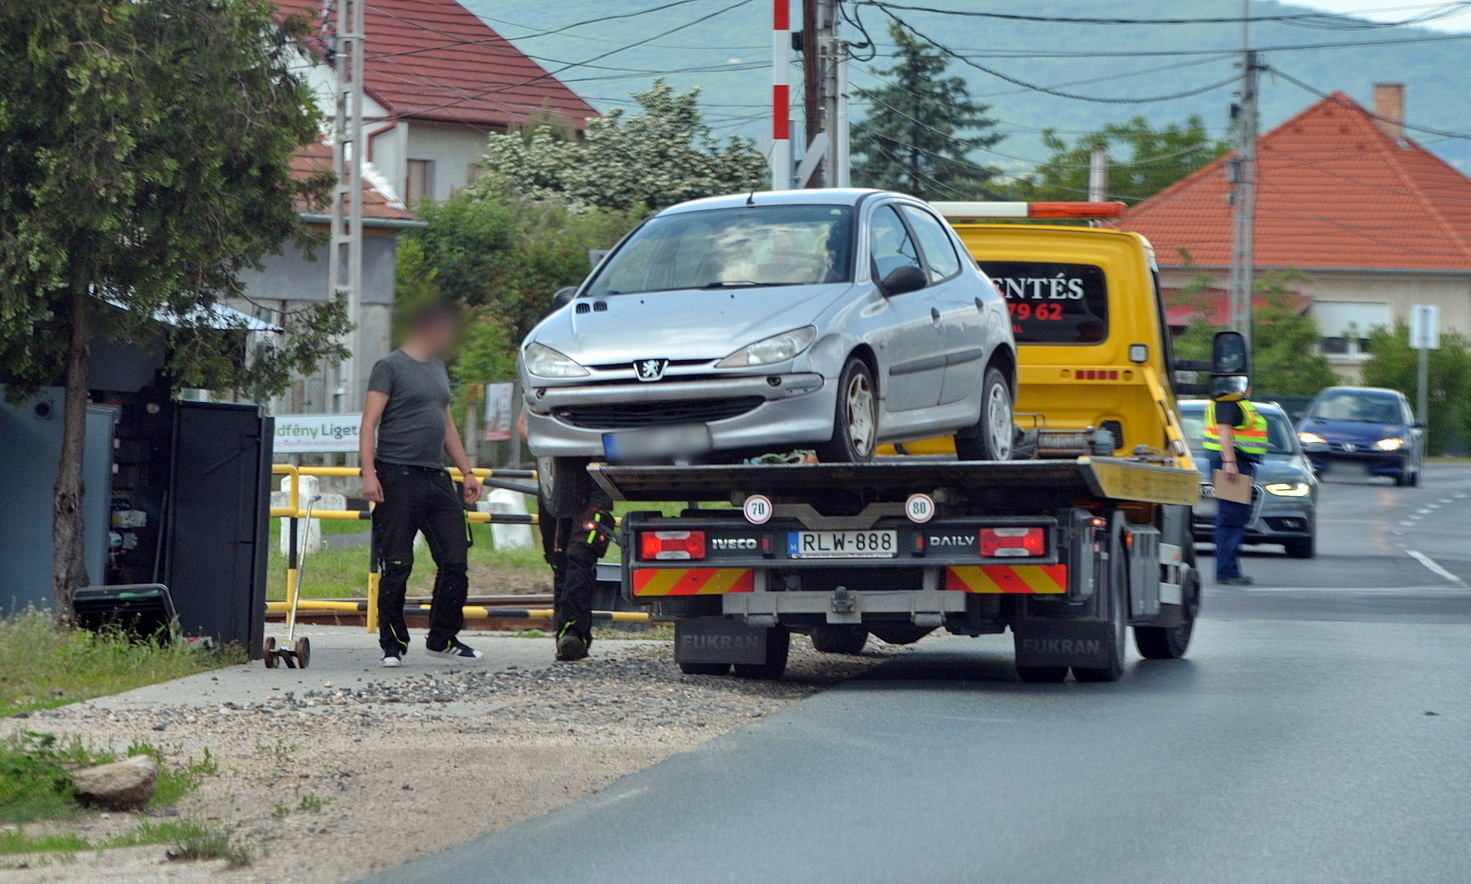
843,603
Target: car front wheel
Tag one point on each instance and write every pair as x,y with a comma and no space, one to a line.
855,419
992,436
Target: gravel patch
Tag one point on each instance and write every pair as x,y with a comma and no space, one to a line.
343,780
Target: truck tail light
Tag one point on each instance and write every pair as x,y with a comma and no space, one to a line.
1018,542
665,545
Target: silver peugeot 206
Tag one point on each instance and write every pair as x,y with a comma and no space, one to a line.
837,320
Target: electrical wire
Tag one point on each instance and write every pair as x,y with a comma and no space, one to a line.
1452,8
1034,87
1357,108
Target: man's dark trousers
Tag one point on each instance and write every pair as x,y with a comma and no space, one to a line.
1232,519
420,499
572,547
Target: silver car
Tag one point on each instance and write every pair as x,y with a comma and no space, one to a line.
837,320
1287,506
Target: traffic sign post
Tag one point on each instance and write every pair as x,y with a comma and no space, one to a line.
1424,337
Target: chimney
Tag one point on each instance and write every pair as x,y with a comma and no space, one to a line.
1389,107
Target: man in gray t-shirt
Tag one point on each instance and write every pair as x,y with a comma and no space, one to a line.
406,433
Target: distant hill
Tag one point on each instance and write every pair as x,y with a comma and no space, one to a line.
728,58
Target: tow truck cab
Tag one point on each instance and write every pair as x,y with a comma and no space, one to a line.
1092,340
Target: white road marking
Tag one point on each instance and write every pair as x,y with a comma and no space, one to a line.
1435,567
1348,590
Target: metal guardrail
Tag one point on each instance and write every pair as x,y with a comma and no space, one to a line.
293,513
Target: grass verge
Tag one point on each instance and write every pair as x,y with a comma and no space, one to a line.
42,667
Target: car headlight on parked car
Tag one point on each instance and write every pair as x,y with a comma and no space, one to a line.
1394,443
1288,489
777,348
544,362
1307,438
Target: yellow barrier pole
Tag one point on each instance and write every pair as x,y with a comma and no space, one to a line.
474,612
371,620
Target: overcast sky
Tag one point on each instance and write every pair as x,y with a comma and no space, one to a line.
1395,10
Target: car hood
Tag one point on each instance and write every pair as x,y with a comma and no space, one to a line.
1271,469
681,325
1352,431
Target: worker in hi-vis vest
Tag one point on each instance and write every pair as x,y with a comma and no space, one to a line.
1236,437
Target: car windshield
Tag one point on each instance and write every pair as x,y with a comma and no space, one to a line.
1279,431
744,247
1357,405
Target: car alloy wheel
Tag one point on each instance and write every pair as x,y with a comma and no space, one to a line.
861,423
999,426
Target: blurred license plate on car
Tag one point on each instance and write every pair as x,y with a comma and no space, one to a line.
657,443
842,544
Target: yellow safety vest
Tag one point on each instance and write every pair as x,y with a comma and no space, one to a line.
1251,437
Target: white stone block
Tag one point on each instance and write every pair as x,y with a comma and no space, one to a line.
503,501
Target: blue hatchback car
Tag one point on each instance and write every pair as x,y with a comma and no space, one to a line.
1366,429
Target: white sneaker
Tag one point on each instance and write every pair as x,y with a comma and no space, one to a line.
392,661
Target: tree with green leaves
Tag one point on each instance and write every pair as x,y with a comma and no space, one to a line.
1286,360
1393,363
662,154
503,255
1142,160
922,128
145,149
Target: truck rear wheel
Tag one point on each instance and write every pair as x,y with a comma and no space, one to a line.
838,639
778,643
1171,642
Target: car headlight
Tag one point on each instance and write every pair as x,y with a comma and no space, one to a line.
1392,444
777,348
544,362
1307,438
1288,489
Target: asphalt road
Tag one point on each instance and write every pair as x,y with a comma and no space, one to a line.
1319,731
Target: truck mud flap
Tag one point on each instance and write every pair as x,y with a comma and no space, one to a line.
1062,643
718,640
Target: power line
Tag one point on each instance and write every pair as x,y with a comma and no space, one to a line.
1449,9
1047,90
1359,109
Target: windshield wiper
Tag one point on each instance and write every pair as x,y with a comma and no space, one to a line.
742,284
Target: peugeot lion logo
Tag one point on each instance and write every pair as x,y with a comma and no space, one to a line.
650,369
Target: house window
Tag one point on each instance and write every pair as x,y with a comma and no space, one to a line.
1345,326
420,181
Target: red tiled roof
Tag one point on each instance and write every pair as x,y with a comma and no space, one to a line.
435,60
1336,191
314,160
1212,305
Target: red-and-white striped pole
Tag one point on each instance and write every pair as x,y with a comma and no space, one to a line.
781,94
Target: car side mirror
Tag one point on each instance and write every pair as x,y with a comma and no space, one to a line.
1230,366
903,280
563,297
1417,425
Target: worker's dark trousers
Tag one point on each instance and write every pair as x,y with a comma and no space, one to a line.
572,547
420,499
1232,519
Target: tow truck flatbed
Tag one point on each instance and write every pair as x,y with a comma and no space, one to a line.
1101,477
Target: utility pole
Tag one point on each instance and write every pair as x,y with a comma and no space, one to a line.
781,94
1098,176
1243,171
343,23
825,97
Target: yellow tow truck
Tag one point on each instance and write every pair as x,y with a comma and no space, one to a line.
1083,536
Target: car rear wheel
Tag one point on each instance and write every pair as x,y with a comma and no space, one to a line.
856,418
992,436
